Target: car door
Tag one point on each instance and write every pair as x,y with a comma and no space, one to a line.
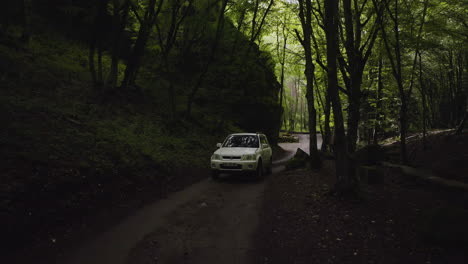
266,149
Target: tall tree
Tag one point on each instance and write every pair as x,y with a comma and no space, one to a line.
120,12
282,34
305,16
25,7
96,42
378,110
359,34
167,32
138,49
258,21
394,53
345,179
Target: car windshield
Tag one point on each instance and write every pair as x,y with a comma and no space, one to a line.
241,141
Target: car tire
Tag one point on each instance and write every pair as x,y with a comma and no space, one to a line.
259,173
215,174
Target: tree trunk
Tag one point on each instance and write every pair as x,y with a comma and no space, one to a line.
138,50
257,29
325,129
423,96
396,63
296,104
305,15
119,22
357,57
25,6
354,110
91,62
344,178
95,43
326,136
282,63
219,31
461,126
378,109
100,78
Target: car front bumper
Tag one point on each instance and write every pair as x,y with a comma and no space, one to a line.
231,165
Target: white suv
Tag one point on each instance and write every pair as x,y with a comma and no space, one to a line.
242,152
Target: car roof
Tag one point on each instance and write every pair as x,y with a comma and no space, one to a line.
245,134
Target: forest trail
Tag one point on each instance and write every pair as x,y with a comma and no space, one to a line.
208,222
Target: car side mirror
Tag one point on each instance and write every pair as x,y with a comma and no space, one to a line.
218,145
264,146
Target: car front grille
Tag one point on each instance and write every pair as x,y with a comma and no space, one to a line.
231,167
231,158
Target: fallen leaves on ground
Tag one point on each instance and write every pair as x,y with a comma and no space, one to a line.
302,223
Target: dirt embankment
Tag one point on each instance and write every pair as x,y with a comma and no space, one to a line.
390,223
443,153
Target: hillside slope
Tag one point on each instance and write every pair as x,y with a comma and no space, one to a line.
67,153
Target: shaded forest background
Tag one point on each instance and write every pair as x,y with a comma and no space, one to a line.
104,100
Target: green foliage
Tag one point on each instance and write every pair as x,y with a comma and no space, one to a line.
72,142
65,144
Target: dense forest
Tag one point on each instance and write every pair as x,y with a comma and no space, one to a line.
105,99
101,100
398,68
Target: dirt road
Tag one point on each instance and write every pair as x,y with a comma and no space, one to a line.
292,147
208,222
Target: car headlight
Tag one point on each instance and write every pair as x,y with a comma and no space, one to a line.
248,157
215,157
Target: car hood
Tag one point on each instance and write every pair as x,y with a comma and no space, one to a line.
235,151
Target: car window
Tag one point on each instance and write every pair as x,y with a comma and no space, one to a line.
241,141
263,139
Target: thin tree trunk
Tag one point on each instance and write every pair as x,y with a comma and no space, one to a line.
256,30
96,44
357,57
423,96
119,25
138,50
396,63
325,130
100,78
91,62
219,31
378,111
282,63
25,6
461,126
326,136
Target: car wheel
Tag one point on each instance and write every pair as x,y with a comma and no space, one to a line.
259,175
215,174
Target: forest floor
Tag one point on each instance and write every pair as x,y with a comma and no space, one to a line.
398,221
